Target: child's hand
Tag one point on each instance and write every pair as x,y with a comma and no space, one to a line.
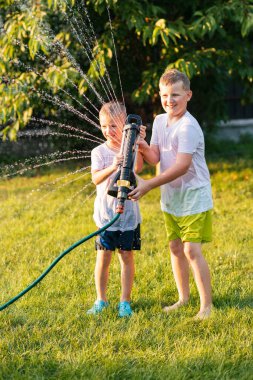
142,188
142,132
118,160
141,142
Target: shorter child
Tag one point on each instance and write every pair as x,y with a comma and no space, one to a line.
124,234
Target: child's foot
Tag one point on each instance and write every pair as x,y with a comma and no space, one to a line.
125,309
203,314
98,307
175,306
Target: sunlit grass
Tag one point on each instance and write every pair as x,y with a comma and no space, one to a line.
47,335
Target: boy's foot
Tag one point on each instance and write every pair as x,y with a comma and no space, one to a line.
98,307
175,306
204,314
125,309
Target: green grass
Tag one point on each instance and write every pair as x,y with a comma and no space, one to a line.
47,335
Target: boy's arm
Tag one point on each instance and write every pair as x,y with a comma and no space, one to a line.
150,154
180,167
138,162
139,158
99,176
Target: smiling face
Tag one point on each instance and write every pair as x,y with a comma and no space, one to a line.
174,99
112,127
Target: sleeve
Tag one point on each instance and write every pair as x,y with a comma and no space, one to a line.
154,137
97,162
188,139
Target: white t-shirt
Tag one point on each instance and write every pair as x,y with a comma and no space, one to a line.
190,193
105,205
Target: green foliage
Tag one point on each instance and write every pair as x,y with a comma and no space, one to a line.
42,50
26,68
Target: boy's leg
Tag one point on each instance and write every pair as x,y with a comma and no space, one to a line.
126,259
180,268
102,273
202,277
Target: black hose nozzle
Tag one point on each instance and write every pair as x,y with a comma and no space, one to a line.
124,180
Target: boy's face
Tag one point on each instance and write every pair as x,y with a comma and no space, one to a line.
112,127
174,99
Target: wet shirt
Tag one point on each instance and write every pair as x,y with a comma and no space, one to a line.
190,193
105,205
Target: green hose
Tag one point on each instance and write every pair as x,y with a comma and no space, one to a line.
34,283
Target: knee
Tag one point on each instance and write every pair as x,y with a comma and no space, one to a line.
126,257
191,253
176,248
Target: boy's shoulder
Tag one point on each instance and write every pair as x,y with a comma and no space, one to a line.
99,149
189,119
161,118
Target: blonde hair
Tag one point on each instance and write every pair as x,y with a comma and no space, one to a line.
172,76
113,109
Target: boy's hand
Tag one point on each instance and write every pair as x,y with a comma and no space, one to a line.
142,145
142,188
141,142
142,132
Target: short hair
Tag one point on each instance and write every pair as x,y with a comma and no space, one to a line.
172,76
113,108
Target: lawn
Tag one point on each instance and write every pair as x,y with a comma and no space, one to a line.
47,334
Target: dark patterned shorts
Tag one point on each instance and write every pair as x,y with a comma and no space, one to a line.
125,241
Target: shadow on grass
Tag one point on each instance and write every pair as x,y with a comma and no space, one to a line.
151,303
224,302
144,304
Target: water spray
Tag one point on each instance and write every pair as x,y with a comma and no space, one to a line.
123,182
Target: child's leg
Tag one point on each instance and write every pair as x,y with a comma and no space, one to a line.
126,259
102,273
201,274
180,267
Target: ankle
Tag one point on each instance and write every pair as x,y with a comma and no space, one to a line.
104,299
183,300
206,308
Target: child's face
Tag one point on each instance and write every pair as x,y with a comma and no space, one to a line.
174,99
112,127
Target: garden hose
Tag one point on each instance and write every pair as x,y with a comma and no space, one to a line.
73,246
121,186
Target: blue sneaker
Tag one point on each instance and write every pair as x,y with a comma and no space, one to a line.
98,307
125,309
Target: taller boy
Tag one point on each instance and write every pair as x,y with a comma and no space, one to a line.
186,200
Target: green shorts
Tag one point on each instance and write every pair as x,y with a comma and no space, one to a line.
196,228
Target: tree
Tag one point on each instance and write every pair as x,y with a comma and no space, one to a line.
51,61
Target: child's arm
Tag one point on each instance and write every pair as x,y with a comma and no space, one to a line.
99,176
138,163
180,167
139,158
151,154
